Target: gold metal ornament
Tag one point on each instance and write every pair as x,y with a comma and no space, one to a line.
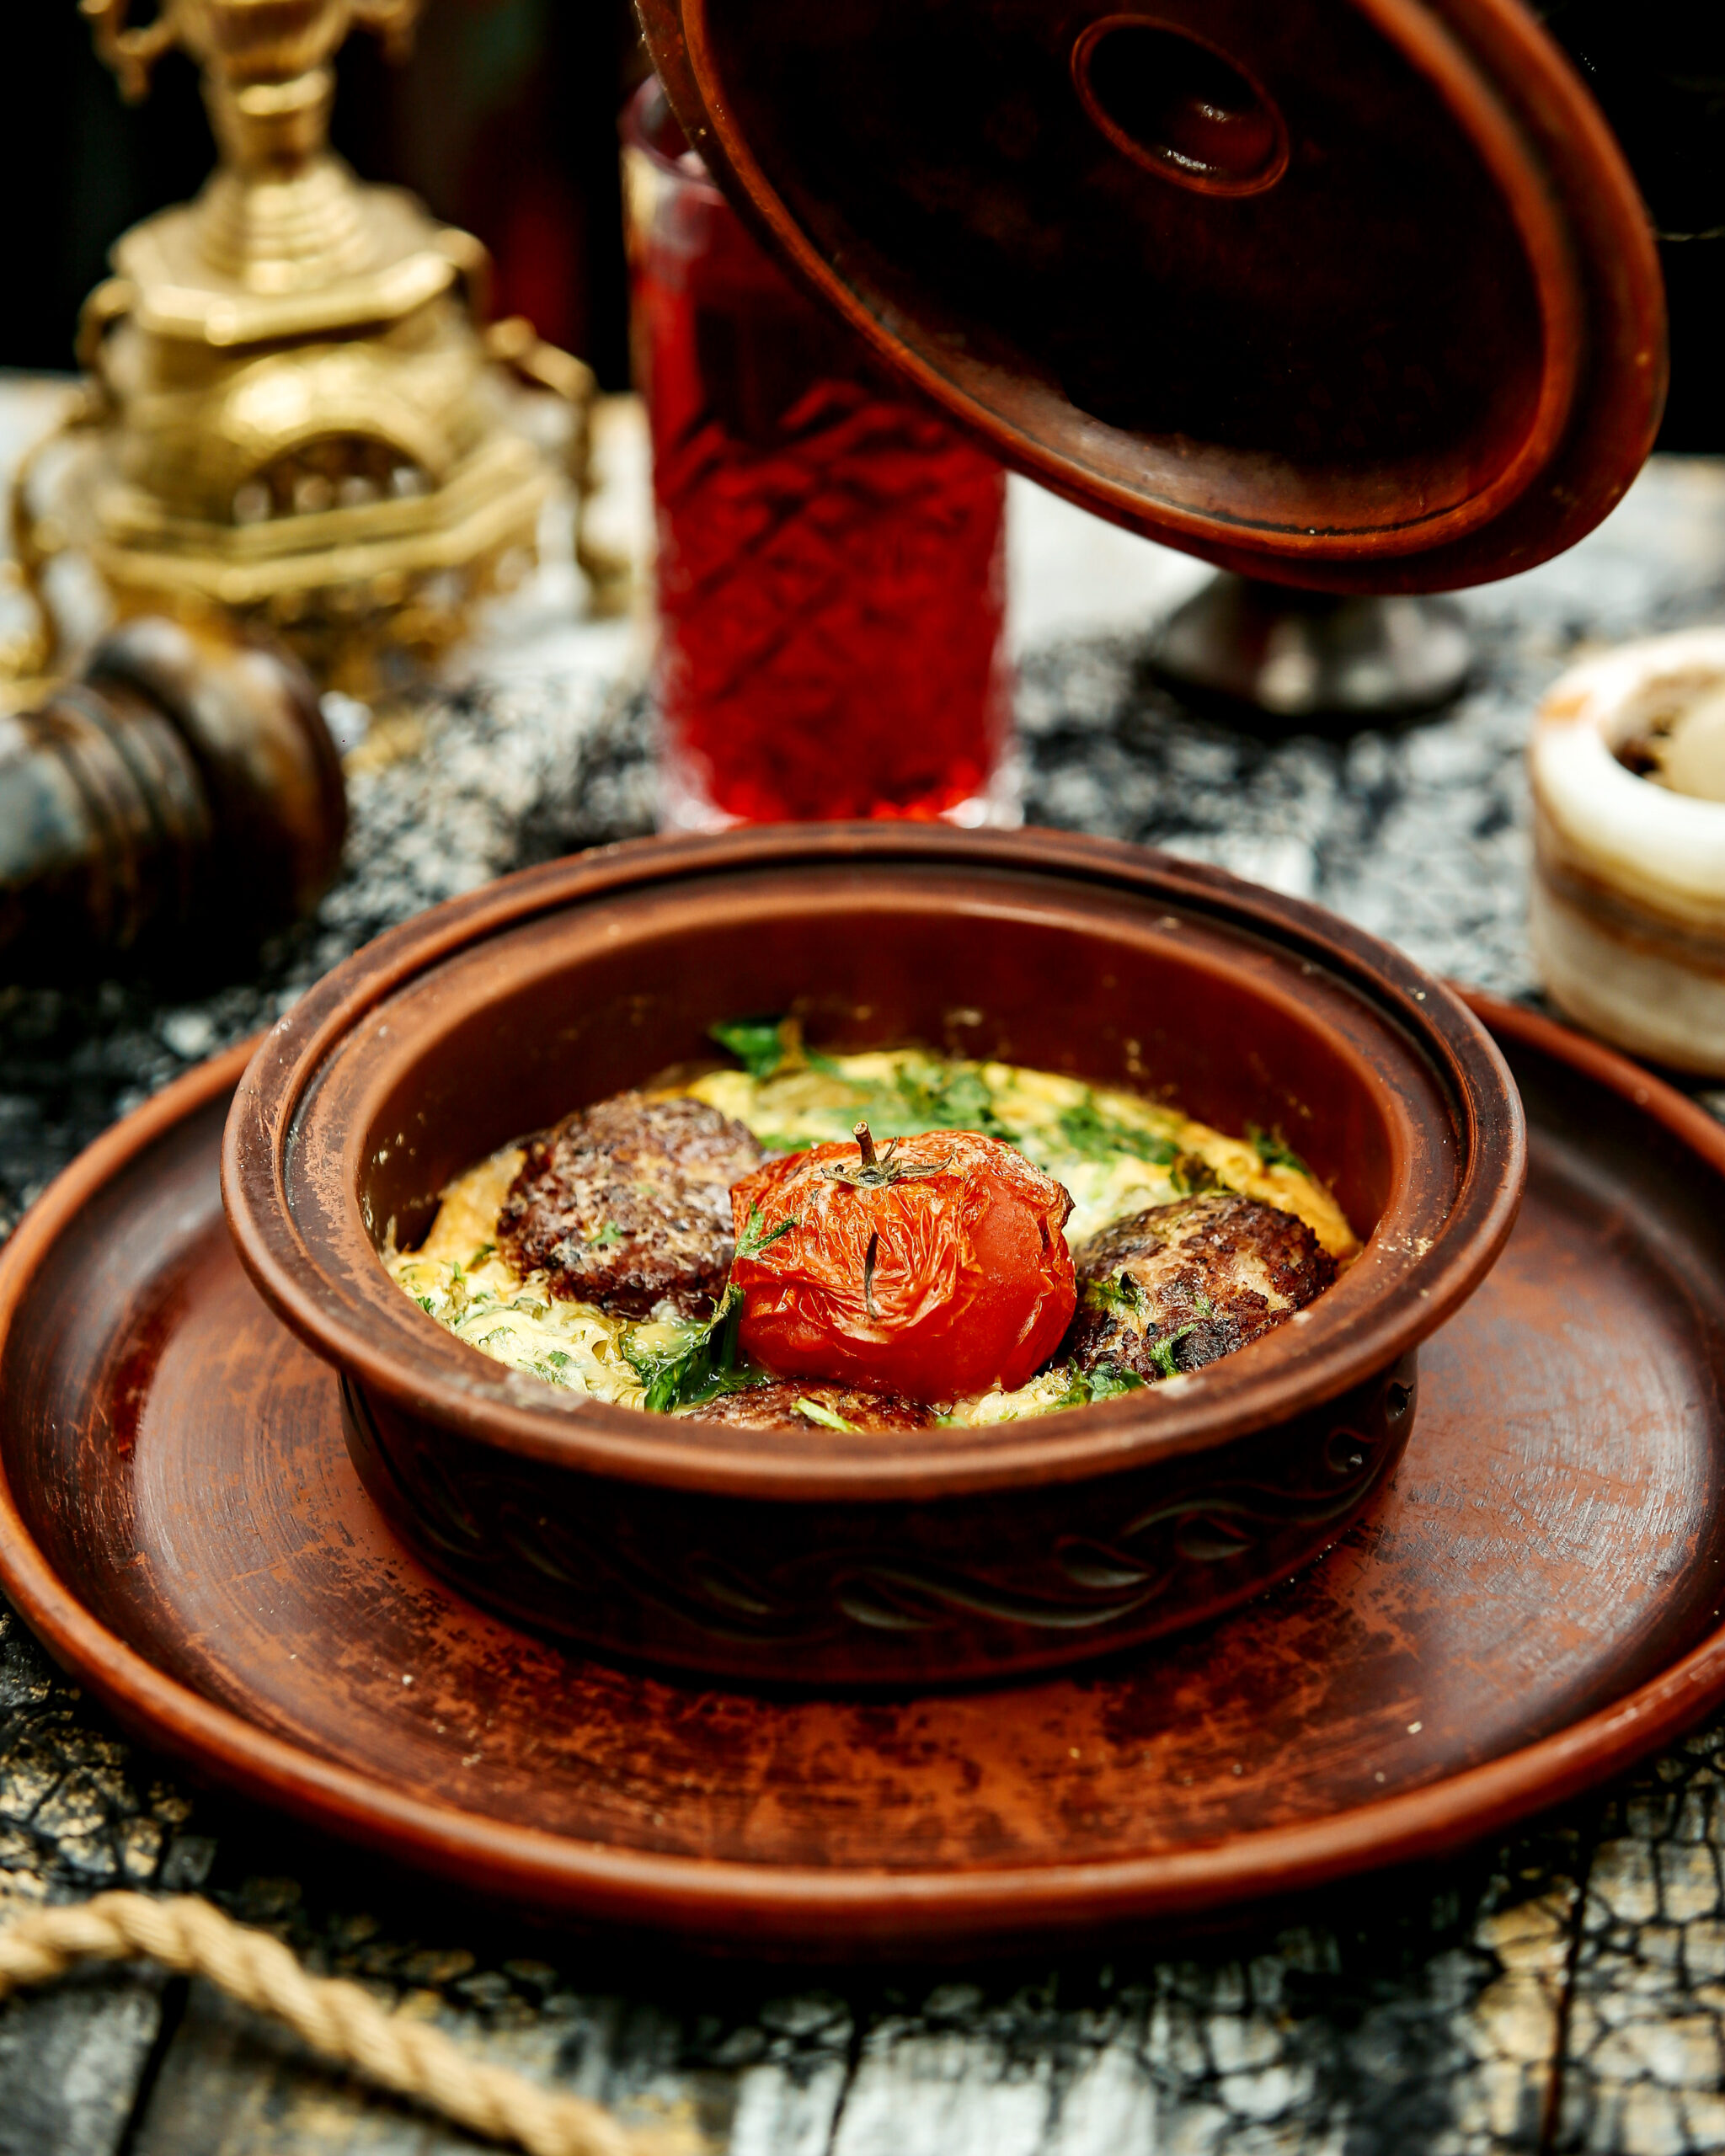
295,407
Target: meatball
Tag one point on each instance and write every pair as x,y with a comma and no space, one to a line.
759,1407
628,1205
1180,1285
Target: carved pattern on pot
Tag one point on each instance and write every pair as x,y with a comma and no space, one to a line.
1082,1583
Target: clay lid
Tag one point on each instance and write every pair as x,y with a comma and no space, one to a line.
1355,294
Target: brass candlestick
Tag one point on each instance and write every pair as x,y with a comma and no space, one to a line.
295,406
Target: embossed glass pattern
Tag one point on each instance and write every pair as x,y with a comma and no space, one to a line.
831,554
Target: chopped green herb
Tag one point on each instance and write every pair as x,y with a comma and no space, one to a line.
1192,1173
690,1371
824,1416
955,1097
1162,1352
757,1043
767,1048
426,1304
1106,1380
1274,1151
755,1238
1095,1136
675,1375
704,1362
479,1257
605,1237
1124,1297
1123,1294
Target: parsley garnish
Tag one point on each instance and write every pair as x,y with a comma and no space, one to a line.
1125,1295
757,1043
1192,1173
703,1363
767,1048
824,1416
1274,1151
1104,1382
756,1237
1094,1136
956,1098
1162,1352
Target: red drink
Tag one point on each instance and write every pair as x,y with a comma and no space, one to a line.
832,553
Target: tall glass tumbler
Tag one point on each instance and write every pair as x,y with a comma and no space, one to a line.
832,553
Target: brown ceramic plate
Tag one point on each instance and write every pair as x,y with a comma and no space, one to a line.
1534,1604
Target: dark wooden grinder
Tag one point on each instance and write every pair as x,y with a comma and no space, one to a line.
177,802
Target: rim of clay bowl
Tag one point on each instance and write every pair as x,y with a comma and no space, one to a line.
281,1193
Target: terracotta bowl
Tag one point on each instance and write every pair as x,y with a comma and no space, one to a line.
815,1557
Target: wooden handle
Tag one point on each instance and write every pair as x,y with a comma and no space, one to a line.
175,805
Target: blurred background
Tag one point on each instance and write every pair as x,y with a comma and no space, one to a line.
503,119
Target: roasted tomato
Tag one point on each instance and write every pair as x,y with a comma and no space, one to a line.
938,1270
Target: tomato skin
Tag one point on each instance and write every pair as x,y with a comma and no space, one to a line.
972,1285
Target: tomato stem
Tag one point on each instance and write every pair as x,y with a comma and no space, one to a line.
875,1171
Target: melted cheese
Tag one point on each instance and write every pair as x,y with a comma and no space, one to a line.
1114,1151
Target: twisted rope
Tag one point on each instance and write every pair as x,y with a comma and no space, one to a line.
192,1936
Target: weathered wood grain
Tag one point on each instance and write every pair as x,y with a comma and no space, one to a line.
232,2083
71,2063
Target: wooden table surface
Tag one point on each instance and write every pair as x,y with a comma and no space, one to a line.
1563,1992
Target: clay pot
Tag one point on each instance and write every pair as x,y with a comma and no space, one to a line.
907,1558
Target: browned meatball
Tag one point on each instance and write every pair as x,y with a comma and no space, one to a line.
1179,1286
760,1407
628,1204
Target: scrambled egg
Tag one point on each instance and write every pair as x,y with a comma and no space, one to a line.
458,1277
1116,1153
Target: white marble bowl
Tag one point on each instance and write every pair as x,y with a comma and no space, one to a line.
1628,917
